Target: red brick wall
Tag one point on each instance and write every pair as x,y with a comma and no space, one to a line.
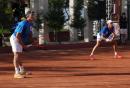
117,14
61,36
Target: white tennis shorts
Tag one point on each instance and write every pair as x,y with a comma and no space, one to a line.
16,47
99,38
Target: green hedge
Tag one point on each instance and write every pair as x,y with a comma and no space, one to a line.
4,31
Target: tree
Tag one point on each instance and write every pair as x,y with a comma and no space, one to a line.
96,9
5,18
78,21
18,11
66,6
5,13
55,16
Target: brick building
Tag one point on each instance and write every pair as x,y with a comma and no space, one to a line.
116,10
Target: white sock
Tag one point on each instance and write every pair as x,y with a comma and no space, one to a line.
16,70
115,53
21,68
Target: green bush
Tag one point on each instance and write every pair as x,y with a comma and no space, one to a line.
4,31
5,14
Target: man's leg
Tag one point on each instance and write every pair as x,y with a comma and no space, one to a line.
21,67
114,45
17,63
93,50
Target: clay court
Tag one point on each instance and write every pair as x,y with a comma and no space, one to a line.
70,68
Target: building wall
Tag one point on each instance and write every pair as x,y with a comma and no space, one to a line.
116,10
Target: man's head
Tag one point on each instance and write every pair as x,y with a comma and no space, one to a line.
30,15
110,24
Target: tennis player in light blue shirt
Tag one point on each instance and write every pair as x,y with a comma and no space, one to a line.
107,34
19,40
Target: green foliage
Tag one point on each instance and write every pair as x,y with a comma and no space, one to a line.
4,31
5,14
78,21
96,9
55,16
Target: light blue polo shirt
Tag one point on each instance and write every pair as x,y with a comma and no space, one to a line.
24,27
106,32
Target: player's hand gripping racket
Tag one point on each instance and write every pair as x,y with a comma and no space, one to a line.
110,38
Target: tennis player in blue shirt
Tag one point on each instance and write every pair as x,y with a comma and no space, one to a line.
107,34
19,40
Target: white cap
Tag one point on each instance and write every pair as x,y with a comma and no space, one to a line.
109,21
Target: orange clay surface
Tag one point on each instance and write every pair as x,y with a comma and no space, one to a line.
68,69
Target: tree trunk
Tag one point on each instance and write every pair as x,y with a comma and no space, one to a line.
73,32
88,29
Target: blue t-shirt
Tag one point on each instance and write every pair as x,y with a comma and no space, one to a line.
106,32
24,27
